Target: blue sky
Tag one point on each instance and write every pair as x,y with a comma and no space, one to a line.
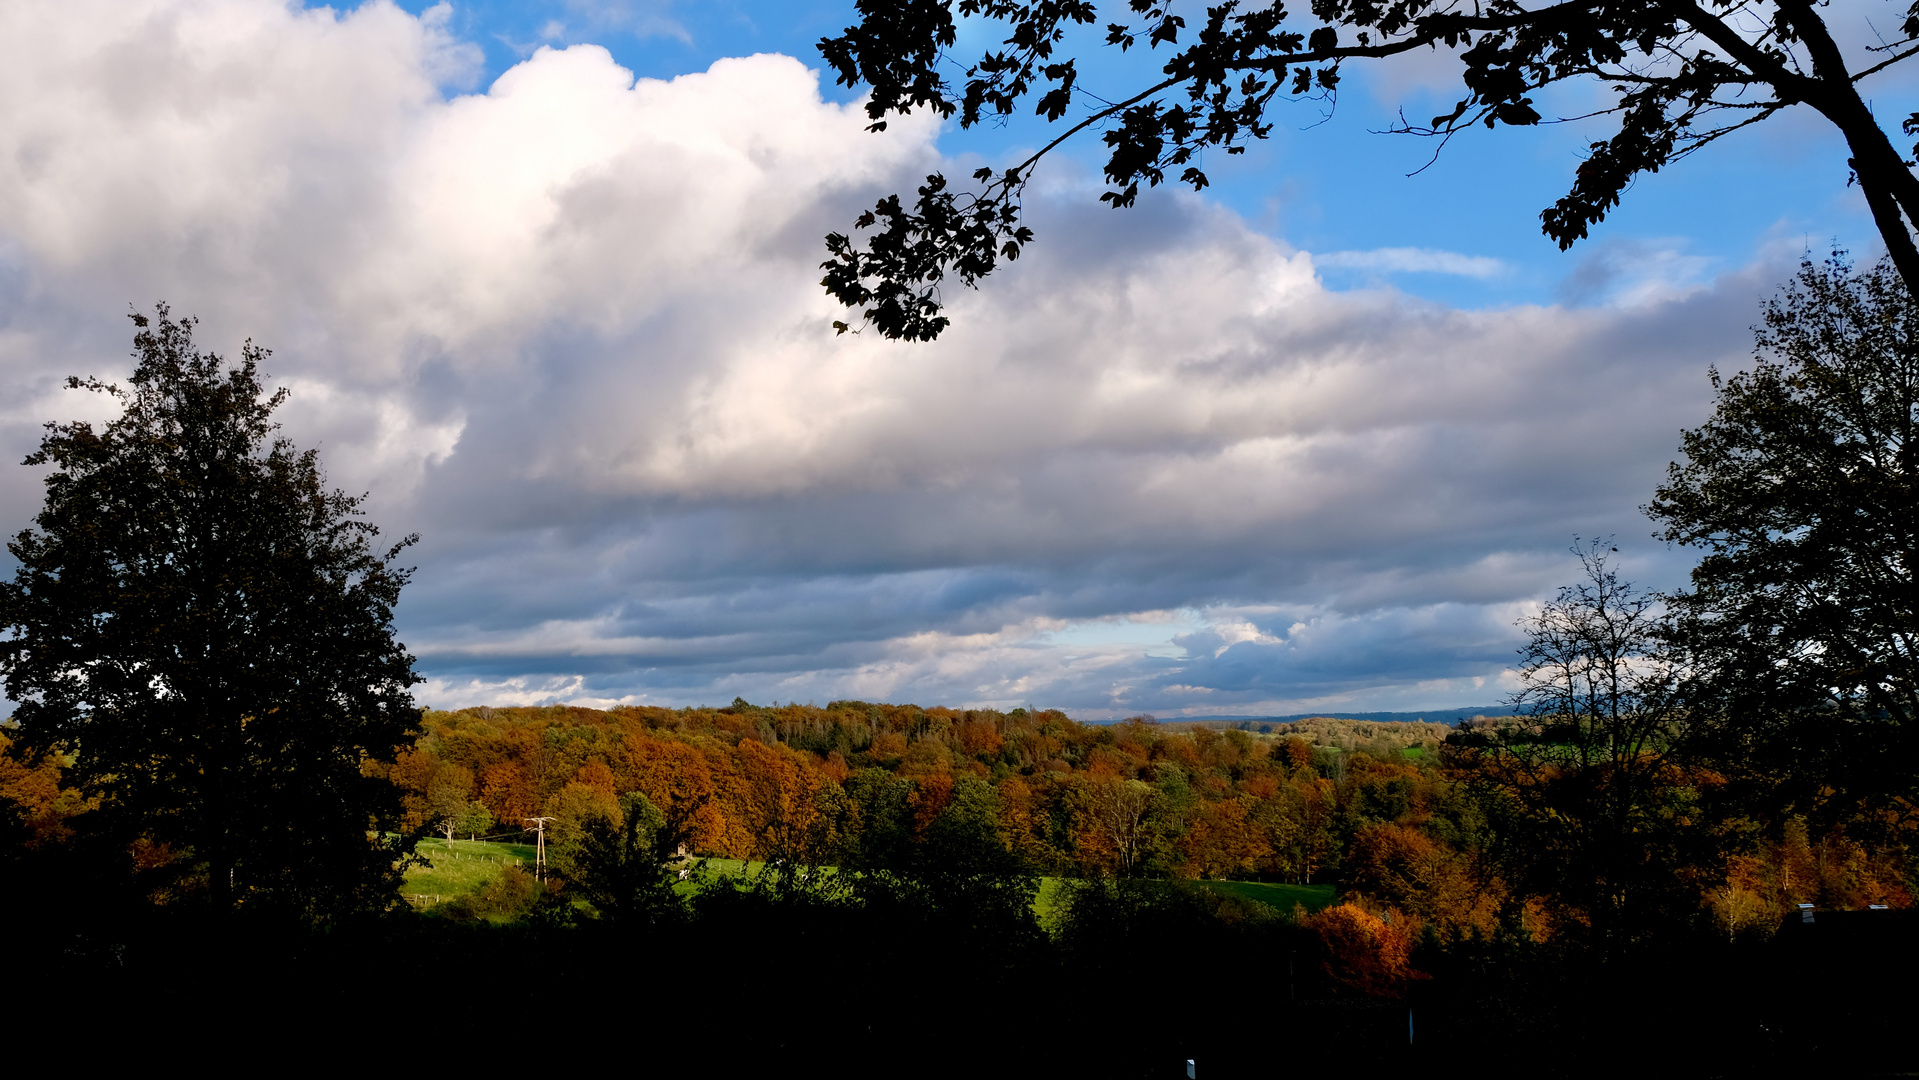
1327,180
1312,441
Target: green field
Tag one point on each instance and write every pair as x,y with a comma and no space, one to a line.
1281,897
465,866
462,866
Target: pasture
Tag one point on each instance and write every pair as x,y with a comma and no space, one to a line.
467,866
461,866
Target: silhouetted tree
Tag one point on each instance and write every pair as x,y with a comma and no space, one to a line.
956,876
1590,801
1803,492
629,869
1685,74
199,623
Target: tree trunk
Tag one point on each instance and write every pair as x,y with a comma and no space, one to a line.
1884,178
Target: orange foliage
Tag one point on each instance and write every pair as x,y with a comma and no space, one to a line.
36,795
1362,952
979,738
1105,762
596,775
1225,842
834,768
1299,753
772,805
677,778
1831,871
1022,824
1409,871
931,794
507,793
1260,785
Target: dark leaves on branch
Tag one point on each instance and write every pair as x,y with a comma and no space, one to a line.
912,252
1231,65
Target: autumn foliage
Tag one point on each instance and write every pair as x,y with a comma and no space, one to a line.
798,782
1364,952
905,839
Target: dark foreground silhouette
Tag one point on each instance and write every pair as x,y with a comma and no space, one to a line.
1137,982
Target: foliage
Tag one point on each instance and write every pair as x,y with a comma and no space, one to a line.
949,866
628,868
39,800
200,627
1594,806
1802,490
856,784
1361,952
1684,75
896,796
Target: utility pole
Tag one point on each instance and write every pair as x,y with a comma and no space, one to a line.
539,850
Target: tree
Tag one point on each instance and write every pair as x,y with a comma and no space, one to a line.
628,869
572,811
1116,819
200,625
954,864
1591,801
1803,492
1685,72
449,794
471,818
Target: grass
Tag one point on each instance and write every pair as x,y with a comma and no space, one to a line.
1276,895
462,866
1281,898
466,866
732,867
1046,903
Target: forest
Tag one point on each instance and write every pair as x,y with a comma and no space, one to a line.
985,849
1372,807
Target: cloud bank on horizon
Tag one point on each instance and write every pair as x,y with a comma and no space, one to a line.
567,327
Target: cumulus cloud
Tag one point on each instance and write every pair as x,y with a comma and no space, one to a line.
569,330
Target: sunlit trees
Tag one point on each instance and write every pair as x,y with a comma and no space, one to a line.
450,805
1115,822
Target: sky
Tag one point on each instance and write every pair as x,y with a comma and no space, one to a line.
542,280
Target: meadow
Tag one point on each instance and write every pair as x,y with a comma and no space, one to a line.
465,867
451,869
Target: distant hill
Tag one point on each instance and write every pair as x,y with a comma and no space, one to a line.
1430,716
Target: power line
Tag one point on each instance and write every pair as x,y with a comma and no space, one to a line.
539,851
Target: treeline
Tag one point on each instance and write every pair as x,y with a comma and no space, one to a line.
803,783
901,849
1410,825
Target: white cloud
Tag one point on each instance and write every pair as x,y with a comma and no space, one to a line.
1404,260
569,330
